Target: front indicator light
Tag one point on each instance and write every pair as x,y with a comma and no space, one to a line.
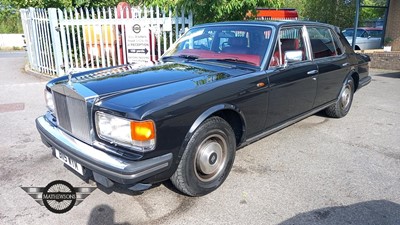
142,130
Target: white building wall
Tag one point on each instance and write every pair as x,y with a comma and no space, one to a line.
11,40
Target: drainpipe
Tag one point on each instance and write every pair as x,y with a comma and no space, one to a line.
385,22
356,23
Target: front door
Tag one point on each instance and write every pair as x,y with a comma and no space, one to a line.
293,85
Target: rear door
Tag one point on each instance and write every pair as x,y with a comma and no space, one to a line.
333,66
374,39
293,85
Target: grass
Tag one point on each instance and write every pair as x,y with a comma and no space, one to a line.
14,48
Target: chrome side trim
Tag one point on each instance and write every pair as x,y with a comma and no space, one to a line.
286,124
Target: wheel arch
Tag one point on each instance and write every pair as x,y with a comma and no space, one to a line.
230,113
337,110
354,75
356,79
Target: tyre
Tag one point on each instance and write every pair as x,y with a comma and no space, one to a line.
343,104
207,159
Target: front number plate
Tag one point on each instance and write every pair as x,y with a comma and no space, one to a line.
70,162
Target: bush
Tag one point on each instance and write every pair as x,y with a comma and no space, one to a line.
10,23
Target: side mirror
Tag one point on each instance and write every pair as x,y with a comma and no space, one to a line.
293,56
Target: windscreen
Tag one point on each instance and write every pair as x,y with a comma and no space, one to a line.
246,44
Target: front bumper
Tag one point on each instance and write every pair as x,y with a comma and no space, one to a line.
105,167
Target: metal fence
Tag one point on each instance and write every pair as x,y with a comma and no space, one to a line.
36,26
80,39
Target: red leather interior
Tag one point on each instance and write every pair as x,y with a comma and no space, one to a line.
286,45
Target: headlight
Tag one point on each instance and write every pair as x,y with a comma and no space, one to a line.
49,100
138,135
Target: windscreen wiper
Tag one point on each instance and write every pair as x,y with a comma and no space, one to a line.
190,57
228,60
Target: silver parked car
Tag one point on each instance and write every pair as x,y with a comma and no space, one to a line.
366,37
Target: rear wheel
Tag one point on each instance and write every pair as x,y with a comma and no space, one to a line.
208,158
343,104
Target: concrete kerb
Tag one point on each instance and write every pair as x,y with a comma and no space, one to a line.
29,71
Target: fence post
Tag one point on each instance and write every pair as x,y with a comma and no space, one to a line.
34,39
27,32
190,16
64,43
56,40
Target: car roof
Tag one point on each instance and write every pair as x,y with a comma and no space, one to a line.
275,23
364,28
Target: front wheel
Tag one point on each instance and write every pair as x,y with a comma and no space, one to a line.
343,104
208,158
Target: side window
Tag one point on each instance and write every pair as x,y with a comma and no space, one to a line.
289,39
203,43
322,43
199,42
375,33
364,34
336,41
223,42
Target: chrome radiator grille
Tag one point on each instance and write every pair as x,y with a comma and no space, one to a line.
72,116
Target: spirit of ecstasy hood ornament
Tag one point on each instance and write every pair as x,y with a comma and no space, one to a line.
69,73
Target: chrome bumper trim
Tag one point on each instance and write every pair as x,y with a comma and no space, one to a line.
113,167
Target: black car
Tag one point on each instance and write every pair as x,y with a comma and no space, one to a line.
220,87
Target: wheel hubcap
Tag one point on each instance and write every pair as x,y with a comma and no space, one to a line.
345,98
210,157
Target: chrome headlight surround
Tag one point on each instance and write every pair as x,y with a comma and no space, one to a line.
132,134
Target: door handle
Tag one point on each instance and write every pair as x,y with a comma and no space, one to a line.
345,64
312,72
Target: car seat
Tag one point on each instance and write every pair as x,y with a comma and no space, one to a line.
237,45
